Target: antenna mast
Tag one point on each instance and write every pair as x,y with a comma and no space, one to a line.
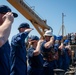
63,24
62,27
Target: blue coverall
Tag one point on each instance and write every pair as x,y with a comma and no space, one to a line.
18,54
35,63
47,65
5,59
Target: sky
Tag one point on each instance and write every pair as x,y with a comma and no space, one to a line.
50,10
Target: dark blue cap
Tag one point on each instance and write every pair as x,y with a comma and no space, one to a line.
59,38
66,42
4,9
34,38
24,25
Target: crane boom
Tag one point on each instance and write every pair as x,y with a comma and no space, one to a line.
27,12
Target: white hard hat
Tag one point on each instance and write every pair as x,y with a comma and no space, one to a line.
48,33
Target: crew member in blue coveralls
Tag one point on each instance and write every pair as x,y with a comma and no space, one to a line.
18,53
56,51
67,55
64,56
6,20
60,52
47,49
34,57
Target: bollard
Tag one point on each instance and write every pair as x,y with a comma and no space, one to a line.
59,72
70,73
